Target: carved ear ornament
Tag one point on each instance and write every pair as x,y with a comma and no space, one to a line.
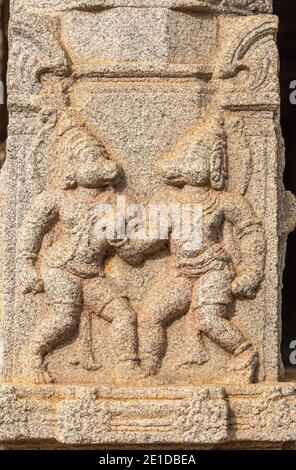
218,159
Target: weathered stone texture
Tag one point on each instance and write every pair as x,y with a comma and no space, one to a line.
122,339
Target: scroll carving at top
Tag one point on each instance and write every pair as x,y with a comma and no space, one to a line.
250,35
247,66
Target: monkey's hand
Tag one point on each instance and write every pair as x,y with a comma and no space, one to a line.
118,242
246,285
30,281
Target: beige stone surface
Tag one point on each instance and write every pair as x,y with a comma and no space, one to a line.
124,339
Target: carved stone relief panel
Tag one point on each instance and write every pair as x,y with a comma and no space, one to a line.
164,106
139,101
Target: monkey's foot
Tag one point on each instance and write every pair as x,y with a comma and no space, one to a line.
128,372
34,371
150,366
37,375
243,366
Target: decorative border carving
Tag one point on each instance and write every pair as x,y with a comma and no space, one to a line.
253,30
242,7
257,413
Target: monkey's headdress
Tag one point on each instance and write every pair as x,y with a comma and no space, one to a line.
210,141
75,146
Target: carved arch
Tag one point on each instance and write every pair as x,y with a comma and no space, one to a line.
32,56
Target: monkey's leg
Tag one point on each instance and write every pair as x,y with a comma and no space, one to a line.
167,301
105,299
211,296
245,359
124,337
65,301
218,329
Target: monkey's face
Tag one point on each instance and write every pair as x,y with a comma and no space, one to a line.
97,173
187,168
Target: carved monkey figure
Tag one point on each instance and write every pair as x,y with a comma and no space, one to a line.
70,269
203,278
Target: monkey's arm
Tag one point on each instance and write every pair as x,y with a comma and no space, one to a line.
251,236
40,217
134,251
140,243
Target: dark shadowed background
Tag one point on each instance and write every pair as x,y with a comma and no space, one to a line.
286,10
